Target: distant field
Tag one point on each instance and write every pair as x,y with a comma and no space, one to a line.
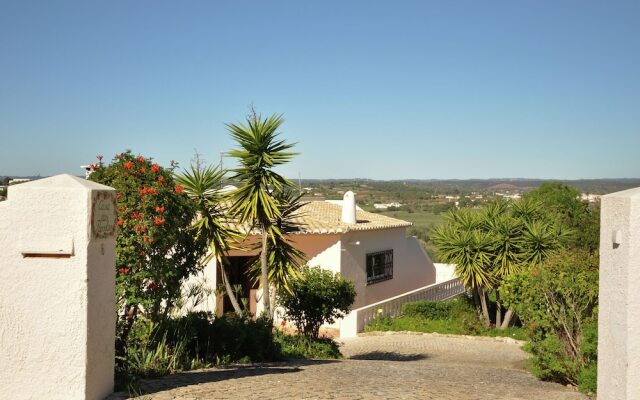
420,219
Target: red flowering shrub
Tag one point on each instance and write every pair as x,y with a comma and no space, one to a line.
155,250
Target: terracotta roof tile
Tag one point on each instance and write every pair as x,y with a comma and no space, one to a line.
321,217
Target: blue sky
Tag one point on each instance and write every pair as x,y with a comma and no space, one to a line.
382,90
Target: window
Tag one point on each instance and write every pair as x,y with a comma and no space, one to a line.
379,266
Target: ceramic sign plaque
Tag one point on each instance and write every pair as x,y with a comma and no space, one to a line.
103,215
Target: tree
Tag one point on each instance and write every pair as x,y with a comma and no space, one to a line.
562,203
495,242
461,242
155,248
260,150
202,185
285,260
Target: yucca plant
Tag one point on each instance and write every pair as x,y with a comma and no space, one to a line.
490,244
202,185
284,260
253,203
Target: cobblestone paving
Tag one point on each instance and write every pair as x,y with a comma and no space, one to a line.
399,366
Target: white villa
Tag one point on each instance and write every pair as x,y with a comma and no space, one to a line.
372,250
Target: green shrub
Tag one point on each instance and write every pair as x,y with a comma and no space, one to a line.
557,302
297,347
588,375
456,316
317,296
194,341
588,378
450,309
156,250
229,337
551,361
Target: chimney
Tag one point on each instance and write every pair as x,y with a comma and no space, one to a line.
349,208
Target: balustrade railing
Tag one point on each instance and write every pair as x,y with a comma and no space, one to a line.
393,306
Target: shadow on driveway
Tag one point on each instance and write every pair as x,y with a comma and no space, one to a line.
388,356
149,386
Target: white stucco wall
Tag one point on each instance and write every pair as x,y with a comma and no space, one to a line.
346,254
412,267
57,310
445,272
619,303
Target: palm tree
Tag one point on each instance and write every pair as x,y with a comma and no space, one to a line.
253,202
285,261
461,242
202,185
499,241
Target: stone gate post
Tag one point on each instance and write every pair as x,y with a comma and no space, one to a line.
619,309
57,277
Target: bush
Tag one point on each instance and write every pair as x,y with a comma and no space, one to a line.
450,309
199,340
551,361
230,337
155,248
297,347
557,302
317,296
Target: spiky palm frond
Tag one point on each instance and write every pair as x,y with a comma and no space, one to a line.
259,151
284,260
527,209
470,250
506,232
540,240
202,185
465,219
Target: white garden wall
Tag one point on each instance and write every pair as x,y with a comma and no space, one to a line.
619,307
57,310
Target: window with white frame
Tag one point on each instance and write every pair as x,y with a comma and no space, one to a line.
379,266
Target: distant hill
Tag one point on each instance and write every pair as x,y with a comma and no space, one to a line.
503,186
595,186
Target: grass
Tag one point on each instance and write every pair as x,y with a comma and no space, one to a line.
456,317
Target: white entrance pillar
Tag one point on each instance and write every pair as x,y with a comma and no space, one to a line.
57,277
619,307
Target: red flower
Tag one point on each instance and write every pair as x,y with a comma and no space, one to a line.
148,190
159,209
140,159
179,189
123,270
120,221
135,215
155,168
143,170
160,179
128,165
158,220
140,229
283,323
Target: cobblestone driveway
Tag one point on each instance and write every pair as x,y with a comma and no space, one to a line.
400,366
